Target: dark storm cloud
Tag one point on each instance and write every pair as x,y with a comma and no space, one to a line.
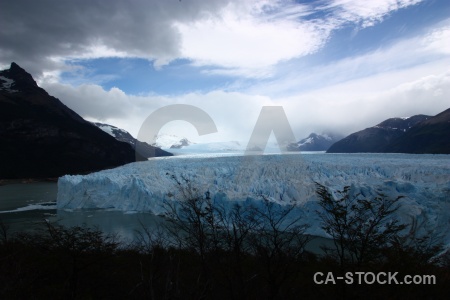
33,32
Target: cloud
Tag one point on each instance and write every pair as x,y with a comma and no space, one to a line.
251,38
244,38
365,13
40,34
234,113
344,108
362,103
406,78
405,54
247,41
92,101
437,40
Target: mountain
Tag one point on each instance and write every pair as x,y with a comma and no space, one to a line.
124,136
315,142
40,137
118,133
429,136
169,141
378,137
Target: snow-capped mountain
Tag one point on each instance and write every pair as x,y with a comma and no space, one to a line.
124,136
423,180
378,137
169,141
117,133
315,142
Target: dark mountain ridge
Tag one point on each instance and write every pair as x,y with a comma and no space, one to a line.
376,138
41,137
429,136
416,134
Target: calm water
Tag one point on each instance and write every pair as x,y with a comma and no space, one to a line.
24,207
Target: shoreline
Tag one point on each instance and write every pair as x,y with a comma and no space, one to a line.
27,180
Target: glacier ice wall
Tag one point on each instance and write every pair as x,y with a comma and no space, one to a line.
424,180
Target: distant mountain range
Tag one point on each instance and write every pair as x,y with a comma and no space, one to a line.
416,134
40,137
315,142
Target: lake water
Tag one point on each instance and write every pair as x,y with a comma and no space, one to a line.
25,206
22,205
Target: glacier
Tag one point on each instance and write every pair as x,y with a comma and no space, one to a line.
423,180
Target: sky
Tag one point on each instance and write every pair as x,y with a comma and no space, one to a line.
333,65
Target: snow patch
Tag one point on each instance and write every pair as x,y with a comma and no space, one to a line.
108,129
307,141
6,84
